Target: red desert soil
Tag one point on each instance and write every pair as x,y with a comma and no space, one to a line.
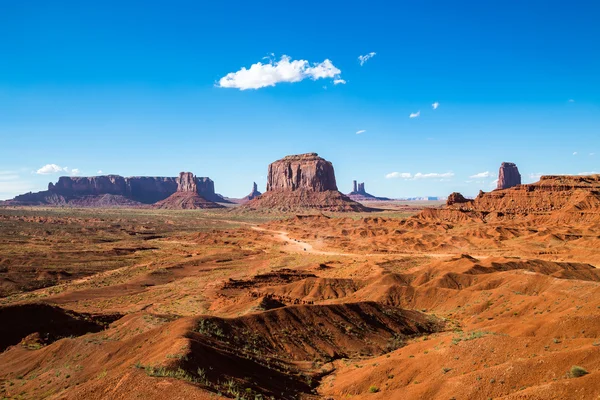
460,302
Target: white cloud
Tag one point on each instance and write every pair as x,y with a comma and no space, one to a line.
339,82
571,101
361,131
99,171
261,75
535,175
485,174
54,169
435,105
363,59
588,173
574,153
415,115
494,183
403,175
433,175
50,169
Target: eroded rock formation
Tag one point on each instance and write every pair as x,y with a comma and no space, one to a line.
558,197
508,176
456,198
304,181
189,194
304,171
115,190
360,194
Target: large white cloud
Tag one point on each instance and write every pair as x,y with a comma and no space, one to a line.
261,75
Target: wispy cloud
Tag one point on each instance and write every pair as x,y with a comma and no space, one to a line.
415,115
480,175
49,169
592,154
363,59
575,153
261,75
571,101
99,171
535,175
433,175
339,82
435,105
403,175
361,131
419,175
588,173
11,185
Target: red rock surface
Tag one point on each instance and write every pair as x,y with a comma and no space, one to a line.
508,176
304,181
304,171
456,198
188,195
567,198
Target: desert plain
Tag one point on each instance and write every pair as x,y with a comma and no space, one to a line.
408,302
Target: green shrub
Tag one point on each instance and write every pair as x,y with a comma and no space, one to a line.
577,371
373,389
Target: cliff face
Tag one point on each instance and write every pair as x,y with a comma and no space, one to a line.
508,176
569,198
301,182
305,171
113,189
142,189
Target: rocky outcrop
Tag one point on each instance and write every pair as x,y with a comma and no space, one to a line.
301,182
360,194
508,176
254,193
301,172
115,190
557,197
189,194
456,198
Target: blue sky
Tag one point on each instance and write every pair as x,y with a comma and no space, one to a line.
136,89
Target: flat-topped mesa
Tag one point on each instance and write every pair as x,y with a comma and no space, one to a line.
115,190
302,182
508,176
301,172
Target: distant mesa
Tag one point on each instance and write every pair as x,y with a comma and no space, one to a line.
114,191
189,194
359,194
508,176
304,181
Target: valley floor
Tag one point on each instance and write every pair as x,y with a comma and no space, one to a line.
124,304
